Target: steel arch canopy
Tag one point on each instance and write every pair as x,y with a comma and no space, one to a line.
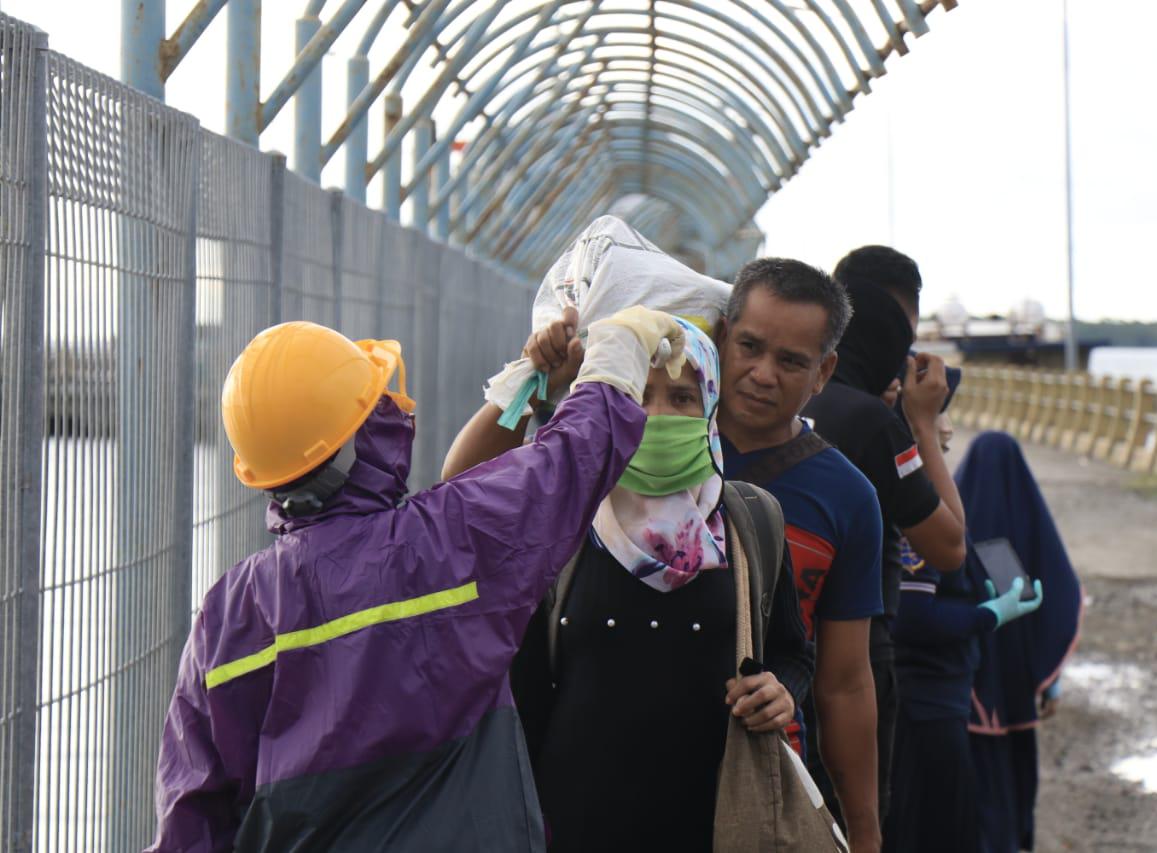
522,119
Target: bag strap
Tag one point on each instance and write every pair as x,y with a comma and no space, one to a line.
770,464
744,630
757,520
555,599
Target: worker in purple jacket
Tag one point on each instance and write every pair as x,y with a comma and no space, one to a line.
346,688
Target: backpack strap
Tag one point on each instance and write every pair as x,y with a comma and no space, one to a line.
758,522
555,599
769,464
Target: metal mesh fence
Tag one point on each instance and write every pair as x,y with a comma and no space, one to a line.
117,480
236,298
483,318
310,289
138,255
21,415
416,269
367,309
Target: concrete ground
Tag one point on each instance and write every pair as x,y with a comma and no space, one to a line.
1098,755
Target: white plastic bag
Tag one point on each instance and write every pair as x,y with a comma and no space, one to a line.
609,267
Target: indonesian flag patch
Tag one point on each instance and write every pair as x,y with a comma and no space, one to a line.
908,461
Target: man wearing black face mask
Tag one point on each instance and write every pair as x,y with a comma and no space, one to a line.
918,498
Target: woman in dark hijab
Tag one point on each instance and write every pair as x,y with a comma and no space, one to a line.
1022,661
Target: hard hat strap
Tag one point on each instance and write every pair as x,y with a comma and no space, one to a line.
311,495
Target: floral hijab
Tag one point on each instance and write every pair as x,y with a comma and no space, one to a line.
667,541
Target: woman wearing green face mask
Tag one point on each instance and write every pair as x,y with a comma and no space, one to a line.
627,732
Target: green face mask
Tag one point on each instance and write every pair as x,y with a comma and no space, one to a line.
673,456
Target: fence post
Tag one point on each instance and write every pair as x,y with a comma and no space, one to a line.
1118,425
1034,399
420,197
276,236
23,323
187,349
1078,407
987,415
1050,432
1143,402
1098,403
1003,391
427,283
392,171
442,179
1112,405
337,226
1049,392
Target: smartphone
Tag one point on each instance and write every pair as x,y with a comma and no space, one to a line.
953,376
1003,566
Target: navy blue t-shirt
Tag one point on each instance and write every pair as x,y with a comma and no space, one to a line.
833,528
936,633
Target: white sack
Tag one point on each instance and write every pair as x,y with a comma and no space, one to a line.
609,267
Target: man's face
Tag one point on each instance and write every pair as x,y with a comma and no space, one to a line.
772,363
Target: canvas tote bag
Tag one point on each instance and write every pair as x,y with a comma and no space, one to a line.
766,801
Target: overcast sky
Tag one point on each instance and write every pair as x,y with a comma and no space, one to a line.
957,156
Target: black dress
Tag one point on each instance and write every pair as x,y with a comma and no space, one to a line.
627,745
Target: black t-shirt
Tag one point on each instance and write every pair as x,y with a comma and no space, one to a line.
877,442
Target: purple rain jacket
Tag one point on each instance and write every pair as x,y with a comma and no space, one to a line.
346,688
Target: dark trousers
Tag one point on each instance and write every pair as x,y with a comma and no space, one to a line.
1006,773
934,804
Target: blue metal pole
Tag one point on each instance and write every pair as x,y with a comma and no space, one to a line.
186,35
308,58
455,203
142,31
441,178
357,145
485,94
434,92
307,108
243,72
420,198
392,172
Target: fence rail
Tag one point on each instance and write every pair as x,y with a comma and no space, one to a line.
1114,420
138,254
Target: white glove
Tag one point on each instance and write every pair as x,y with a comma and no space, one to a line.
503,387
621,348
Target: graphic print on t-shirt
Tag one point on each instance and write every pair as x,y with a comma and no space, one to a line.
811,559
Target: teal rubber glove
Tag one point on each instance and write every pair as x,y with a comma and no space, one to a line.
1009,607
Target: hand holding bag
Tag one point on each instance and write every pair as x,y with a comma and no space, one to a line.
766,800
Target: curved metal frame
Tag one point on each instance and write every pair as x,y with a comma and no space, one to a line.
687,117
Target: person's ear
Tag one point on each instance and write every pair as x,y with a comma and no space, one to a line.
719,335
827,368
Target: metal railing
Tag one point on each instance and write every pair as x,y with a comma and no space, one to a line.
138,255
1114,420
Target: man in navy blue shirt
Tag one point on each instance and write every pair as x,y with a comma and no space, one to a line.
777,345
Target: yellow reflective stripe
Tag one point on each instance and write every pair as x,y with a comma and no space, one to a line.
241,666
340,627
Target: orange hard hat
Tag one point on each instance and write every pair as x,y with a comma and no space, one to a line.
297,393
